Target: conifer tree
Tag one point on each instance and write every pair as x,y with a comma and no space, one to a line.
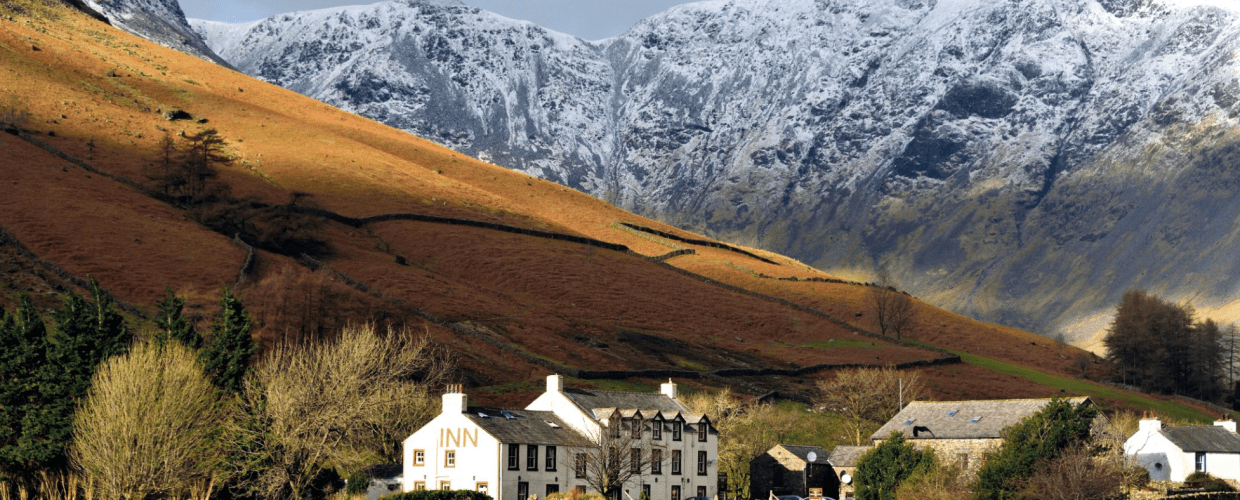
23,349
172,323
227,358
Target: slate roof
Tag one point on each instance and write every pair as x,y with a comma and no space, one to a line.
1212,439
934,420
802,452
526,427
647,402
847,456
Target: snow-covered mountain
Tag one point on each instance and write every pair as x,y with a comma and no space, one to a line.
1024,162
160,21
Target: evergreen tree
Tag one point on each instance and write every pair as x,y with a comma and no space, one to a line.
24,444
1039,437
172,323
86,334
227,358
881,470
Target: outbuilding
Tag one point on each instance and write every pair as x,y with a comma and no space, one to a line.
1172,453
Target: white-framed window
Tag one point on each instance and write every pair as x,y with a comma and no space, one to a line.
676,431
551,458
531,457
1201,461
483,488
656,429
523,490
656,461
419,486
449,458
445,485
676,462
675,492
701,464
702,428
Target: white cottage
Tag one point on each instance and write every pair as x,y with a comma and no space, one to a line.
1171,453
515,454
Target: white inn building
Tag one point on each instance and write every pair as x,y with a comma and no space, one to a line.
543,449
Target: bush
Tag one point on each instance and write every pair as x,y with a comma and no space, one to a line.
359,482
881,470
438,495
1207,482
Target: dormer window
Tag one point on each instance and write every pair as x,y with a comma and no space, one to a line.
656,429
637,427
676,430
702,429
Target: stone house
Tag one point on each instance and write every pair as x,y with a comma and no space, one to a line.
513,454
961,431
844,460
1172,453
789,469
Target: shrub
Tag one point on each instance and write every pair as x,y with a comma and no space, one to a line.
1207,482
438,495
359,482
881,470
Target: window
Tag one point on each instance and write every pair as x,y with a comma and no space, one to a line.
581,490
963,458
1201,461
701,492
449,458
702,429
675,431
482,488
635,461
552,489
419,457
580,466
675,492
676,462
531,457
419,486
701,465
551,457
646,490
637,427
523,490
445,485
656,429
514,452
656,461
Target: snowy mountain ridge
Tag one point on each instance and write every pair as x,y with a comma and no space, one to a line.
997,157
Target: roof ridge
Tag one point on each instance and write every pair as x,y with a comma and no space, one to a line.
993,400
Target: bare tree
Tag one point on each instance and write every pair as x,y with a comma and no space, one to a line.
616,455
345,403
1075,475
747,429
13,114
868,396
892,309
1109,442
150,426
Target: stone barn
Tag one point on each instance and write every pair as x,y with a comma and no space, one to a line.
790,469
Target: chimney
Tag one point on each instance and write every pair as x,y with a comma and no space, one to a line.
1226,423
1149,423
669,389
455,400
555,383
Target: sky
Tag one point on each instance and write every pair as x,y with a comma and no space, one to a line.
587,19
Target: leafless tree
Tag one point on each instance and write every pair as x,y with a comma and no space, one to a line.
892,309
1075,475
747,429
616,455
868,395
150,426
345,402
13,114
